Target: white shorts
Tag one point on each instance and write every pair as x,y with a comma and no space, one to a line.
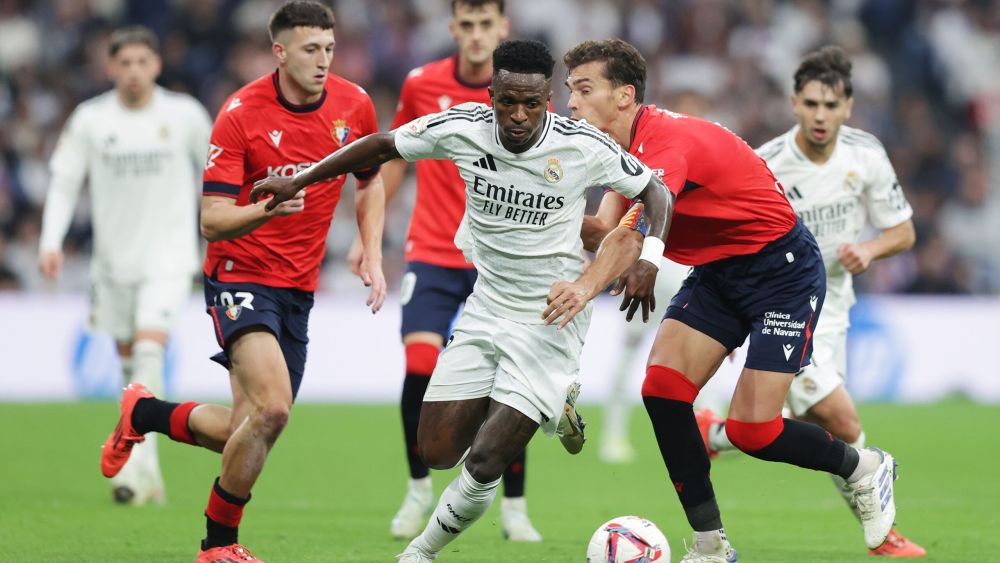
525,366
123,308
825,372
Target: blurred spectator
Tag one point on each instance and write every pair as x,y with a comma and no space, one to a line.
924,84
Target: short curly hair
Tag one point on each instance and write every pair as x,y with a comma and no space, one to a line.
523,56
829,65
623,63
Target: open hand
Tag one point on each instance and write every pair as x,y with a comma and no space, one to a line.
637,285
565,300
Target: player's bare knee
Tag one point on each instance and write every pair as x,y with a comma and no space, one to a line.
272,418
439,456
484,468
845,426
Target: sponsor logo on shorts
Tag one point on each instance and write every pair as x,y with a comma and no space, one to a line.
813,300
788,349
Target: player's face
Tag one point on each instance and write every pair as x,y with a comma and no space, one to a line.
134,69
305,55
821,110
593,97
478,30
519,102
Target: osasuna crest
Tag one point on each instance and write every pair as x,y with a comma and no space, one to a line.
233,312
553,172
340,131
444,102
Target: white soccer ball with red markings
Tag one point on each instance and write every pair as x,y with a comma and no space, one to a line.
628,539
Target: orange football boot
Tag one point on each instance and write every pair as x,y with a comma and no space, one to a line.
226,554
118,447
706,417
896,545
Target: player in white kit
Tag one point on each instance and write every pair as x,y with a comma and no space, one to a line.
837,178
506,369
141,148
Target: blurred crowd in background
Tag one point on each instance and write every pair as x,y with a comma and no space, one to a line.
926,80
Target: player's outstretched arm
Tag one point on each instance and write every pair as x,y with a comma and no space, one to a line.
222,219
370,208
363,154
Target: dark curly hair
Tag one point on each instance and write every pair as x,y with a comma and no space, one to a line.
523,56
623,63
305,13
829,65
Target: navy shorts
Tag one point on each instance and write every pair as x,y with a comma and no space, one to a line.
432,296
235,307
774,296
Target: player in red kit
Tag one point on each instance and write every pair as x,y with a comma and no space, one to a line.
262,266
438,279
757,272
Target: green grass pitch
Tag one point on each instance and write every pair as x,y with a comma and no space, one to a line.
337,475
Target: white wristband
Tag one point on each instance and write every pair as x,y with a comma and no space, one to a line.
652,251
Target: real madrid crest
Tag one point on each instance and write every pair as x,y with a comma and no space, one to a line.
553,172
852,182
340,131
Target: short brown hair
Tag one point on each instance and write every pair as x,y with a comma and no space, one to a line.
623,63
300,13
829,65
477,4
132,35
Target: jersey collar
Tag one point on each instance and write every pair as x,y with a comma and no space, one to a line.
304,108
635,126
470,85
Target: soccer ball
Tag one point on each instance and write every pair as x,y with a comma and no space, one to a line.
628,539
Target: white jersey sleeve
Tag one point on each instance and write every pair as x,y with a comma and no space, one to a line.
428,137
68,167
609,165
884,199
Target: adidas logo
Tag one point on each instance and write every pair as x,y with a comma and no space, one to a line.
793,193
486,162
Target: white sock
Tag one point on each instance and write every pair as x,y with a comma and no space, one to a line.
461,504
717,438
839,482
868,462
147,365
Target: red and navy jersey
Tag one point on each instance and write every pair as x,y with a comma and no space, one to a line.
258,133
728,201
440,202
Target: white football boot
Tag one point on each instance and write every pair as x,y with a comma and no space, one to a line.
412,515
514,521
713,548
571,424
873,495
414,555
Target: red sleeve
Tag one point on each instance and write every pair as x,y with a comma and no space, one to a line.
368,124
224,169
405,108
669,164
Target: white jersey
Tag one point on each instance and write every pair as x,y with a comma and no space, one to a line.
834,200
144,170
523,211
